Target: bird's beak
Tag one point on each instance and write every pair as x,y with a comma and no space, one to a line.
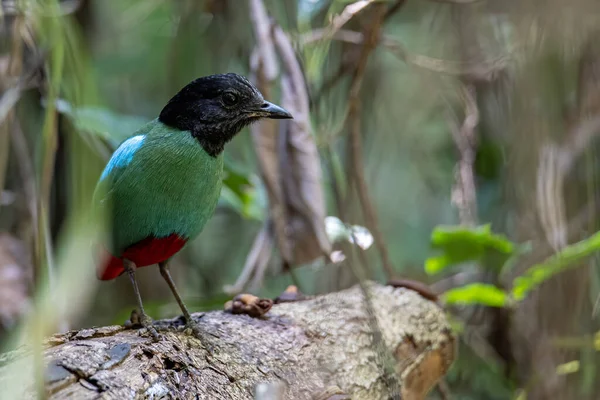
272,111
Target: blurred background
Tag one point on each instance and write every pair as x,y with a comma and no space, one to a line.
460,133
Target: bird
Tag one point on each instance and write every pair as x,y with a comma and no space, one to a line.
162,185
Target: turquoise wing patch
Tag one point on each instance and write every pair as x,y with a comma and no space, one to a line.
123,155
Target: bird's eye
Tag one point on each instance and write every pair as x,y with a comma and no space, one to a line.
229,99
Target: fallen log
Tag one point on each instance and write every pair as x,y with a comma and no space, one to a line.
319,348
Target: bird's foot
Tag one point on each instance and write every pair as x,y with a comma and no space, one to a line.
193,329
140,320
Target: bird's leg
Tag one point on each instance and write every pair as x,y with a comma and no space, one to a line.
145,320
166,274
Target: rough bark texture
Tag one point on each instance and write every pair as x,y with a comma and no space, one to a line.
307,346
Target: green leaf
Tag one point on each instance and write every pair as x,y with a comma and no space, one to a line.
108,125
241,193
567,368
477,293
562,261
433,265
460,244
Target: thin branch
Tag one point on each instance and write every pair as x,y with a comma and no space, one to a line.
264,70
580,136
346,15
464,194
372,36
264,43
257,259
480,71
333,30
551,207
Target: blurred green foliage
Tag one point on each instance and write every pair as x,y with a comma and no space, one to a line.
459,244
477,293
115,63
566,258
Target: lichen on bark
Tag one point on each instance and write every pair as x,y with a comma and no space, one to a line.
307,346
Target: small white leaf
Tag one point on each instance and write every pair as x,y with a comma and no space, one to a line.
337,256
337,231
363,237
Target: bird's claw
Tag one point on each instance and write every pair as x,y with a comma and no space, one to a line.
148,324
139,320
192,329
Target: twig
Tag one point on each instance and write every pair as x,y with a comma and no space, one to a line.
301,168
472,71
549,197
464,194
580,137
265,47
346,15
556,161
332,31
256,260
372,35
480,71
265,69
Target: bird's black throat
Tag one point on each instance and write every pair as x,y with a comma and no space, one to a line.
212,135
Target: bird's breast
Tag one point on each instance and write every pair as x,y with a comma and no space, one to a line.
167,189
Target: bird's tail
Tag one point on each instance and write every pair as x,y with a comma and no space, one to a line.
109,266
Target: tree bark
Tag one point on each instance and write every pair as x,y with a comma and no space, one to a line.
306,347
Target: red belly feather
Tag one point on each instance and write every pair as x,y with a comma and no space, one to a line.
146,252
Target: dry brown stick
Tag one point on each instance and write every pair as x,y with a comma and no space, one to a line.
265,69
578,139
464,194
265,46
474,71
346,15
372,36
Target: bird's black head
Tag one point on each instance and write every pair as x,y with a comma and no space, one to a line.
216,107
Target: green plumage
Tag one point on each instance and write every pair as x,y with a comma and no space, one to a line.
158,183
162,185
